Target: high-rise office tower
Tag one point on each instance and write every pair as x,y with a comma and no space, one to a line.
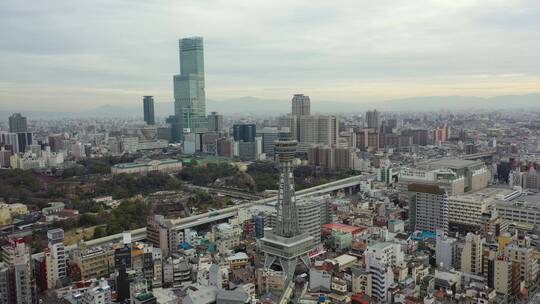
189,92
56,257
373,119
269,135
175,124
249,146
441,134
320,129
285,245
18,126
225,147
245,132
57,143
215,122
291,123
148,108
5,158
24,139
301,105
10,140
428,207
17,123
419,137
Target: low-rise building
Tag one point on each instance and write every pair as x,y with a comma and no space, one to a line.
54,207
238,260
145,167
93,263
227,236
361,281
268,279
100,294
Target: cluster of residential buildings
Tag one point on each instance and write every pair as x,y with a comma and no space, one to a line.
363,249
436,232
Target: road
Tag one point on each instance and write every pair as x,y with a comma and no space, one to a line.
226,192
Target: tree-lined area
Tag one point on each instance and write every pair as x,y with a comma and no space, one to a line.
18,184
127,185
101,165
208,174
265,175
259,176
78,186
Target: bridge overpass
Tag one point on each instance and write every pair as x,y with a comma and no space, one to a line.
212,216
349,182
479,156
226,192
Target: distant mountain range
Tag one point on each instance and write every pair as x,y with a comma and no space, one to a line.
254,105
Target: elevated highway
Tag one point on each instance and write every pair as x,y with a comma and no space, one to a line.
479,156
212,216
234,193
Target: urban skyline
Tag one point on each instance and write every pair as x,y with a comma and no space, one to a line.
319,199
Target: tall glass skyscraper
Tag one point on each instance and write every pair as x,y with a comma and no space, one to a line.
244,132
148,109
189,93
301,105
17,123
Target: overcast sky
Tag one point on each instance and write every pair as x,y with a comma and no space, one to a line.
69,55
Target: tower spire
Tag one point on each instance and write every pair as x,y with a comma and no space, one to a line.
287,214
286,246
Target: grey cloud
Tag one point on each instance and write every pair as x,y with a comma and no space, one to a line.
119,49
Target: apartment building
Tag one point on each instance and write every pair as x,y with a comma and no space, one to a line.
93,263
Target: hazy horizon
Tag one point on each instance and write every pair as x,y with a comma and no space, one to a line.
72,56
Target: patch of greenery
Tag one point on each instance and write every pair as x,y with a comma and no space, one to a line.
18,184
128,185
204,201
206,175
265,175
128,215
97,165
89,219
99,232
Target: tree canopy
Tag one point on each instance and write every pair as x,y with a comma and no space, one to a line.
18,184
127,185
206,175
